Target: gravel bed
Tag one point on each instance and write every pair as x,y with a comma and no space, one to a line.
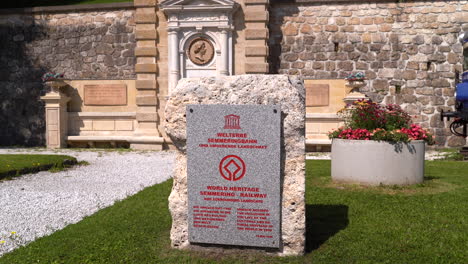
36,205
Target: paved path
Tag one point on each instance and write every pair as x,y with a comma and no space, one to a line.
37,205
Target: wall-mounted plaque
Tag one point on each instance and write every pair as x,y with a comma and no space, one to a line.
317,94
105,94
233,170
200,51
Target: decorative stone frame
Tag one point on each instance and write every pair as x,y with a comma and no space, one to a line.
192,41
187,19
185,42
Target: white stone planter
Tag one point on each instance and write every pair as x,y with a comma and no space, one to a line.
356,84
56,84
371,162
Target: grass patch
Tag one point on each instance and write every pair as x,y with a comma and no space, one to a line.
450,154
431,185
343,226
105,150
12,165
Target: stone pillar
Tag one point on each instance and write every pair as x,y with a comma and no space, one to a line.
256,36
174,61
147,135
56,115
224,39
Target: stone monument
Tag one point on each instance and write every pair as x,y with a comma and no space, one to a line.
278,101
233,168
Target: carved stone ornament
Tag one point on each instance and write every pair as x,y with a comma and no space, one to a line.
200,51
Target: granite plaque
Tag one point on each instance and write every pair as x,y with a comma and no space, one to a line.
317,94
105,94
233,170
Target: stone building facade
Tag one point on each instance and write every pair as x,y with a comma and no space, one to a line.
80,42
408,50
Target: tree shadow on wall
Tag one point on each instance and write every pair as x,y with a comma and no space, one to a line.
276,41
323,221
33,3
21,112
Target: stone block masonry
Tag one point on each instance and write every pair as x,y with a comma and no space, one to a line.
83,42
147,70
256,36
408,50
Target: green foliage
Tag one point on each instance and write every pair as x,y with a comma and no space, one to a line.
395,118
12,165
366,120
451,154
390,136
365,115
345,224
335,133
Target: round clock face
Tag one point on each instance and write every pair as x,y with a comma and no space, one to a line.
200,51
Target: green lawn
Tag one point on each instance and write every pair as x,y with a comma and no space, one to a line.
12,165
427,223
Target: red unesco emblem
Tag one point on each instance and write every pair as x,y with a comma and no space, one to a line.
232,168
232,122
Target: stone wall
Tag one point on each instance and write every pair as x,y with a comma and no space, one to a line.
408,50
94,42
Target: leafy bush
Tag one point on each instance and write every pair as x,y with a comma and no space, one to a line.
366,120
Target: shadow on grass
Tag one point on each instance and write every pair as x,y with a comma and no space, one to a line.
322,222
430,178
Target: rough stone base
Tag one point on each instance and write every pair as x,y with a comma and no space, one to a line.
244,89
